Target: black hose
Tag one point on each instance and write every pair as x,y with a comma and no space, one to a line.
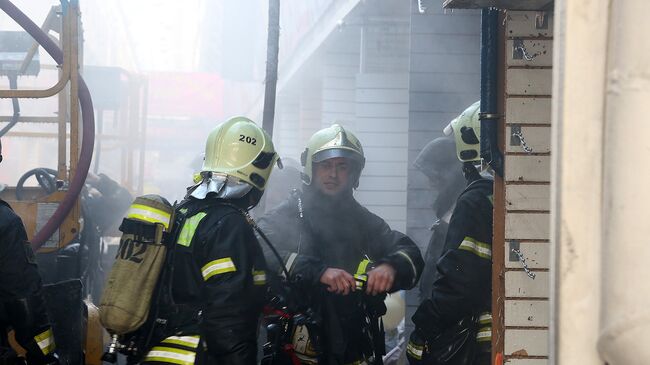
275,252
13,85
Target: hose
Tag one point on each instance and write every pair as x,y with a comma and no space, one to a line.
88,119
45,177
13,85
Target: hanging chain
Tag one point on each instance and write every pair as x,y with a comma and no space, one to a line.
523,262
522,140
421,7
524,52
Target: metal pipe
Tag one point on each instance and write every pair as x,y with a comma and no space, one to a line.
272,50
624,312
13,84
88,140
489,117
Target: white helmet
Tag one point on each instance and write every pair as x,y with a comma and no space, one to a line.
240,148
467,133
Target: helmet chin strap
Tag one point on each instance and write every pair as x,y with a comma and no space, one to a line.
471,172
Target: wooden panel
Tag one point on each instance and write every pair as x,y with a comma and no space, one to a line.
338,83
382,197
380,139
537,138
528,168
524,24
385,169
527,362
384,124
527,313
537,255
533,226
398,225
382,95
528,197
370,183
340,70
388,154
519,285
529,81
469,45
342,59
338,106
382,81
526,342
380,110
389,212
539,50
338,95
528,110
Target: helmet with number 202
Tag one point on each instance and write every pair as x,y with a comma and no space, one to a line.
241,149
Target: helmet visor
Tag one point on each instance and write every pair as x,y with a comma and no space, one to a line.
337,152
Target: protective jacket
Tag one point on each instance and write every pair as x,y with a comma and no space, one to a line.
22,307
431,257
463,286
215,290
314,232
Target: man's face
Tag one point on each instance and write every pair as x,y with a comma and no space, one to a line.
332,176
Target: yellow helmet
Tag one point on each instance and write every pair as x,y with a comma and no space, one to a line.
467,133
240,148
331,142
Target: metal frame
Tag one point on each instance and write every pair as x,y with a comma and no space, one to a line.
68,17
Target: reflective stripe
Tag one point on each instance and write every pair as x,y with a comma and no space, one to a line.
363,265
290,260
171,355
485,318
259,277
189,227
219,266
415,350
148,214
478,248
360,281
484,334
45,341
188,341
415,270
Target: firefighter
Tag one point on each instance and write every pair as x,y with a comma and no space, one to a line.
453,326
218,281
330,244
438,162
22,307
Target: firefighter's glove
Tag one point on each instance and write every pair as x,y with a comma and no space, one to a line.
416,349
